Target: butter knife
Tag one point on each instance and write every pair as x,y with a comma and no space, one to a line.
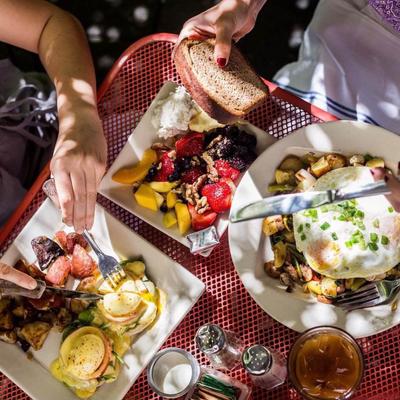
291,203
11,289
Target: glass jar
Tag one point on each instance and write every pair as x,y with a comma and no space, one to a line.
266,368
222,348
325,363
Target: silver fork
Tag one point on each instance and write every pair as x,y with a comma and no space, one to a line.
370,295
109,267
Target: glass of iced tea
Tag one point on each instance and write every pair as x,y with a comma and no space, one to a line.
325,363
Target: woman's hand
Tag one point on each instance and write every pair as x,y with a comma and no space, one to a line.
392,182
78,165
228,20
11,274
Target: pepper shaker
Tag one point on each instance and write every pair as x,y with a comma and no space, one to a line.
222,348
267,368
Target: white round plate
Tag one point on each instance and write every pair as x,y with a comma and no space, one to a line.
249,247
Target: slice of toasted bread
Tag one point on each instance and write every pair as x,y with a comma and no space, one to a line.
226,94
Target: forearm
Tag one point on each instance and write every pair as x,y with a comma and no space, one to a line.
65,54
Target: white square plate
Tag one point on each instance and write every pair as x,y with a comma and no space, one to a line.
181,287
141,139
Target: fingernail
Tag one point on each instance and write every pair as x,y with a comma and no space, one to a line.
32,285
221,61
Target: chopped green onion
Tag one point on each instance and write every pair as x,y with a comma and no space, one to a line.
385,240
324,209
390,209
325,226
341,217
303,237
376,223
334,236
361,225
308,225
360,214
373,246
300,228
349,243
374,237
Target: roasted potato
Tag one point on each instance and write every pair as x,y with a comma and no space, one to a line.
271,270
336,161
329,287
88,284
291,163
284,177
63,319
6,320
280,252
309,158
20,312
35,333
321,167
4,304
8,336
272,225
356,160
375,163
314,287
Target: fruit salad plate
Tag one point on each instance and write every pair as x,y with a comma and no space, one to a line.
250,248
182,290
137,150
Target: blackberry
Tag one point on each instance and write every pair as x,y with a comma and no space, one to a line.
151,173
163,208
183,164
245,139
210,136
231,131
175,176
238,163
224,148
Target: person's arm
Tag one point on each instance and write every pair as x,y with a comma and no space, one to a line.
228,20
80,154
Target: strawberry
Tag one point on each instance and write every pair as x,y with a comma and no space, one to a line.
201,221
191,175
219,196
192,144
58,272
82,265
225,170
167,168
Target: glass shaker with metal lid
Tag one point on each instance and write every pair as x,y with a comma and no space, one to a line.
222,348
267,368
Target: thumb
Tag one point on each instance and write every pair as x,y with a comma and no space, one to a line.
13,275
223,42
392,183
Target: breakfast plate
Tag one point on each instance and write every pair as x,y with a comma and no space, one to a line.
250,248
142,138
182,291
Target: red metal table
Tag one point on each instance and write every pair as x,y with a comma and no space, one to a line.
123,98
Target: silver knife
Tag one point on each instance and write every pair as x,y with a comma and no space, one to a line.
291,203
11,289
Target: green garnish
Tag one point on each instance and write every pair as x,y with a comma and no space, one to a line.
374,237
308,225
361,225
324,209
349,244
334,236
303,237
390,209
300,228
118,357
373,246
360,214
376,223
325,226
341,217
312,213
385,240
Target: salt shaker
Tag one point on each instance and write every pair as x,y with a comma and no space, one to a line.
267,368
222,348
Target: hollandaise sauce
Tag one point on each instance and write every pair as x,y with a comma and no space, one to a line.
326,363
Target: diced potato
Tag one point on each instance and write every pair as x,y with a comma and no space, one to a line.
184,220
145,197
34,333
321,167
272,225
283,177
291,163
280,188
314,287
4,303
163,187
309,158
329,287
137,268
357,159
280,251
336,160
8,337
6,320
172,198
169,219
375,163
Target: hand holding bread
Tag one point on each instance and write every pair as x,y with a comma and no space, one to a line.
228,20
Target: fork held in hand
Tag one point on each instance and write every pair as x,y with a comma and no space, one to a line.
109,267
370,295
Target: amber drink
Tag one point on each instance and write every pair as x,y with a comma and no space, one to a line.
325,363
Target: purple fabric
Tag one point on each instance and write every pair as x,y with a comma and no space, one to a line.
389,10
